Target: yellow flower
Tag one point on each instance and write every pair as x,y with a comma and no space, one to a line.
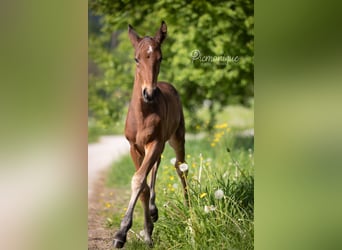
172,178
203,195
212,144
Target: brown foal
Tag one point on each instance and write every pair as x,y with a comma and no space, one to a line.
154,117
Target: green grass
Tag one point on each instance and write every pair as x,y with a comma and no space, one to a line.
226,163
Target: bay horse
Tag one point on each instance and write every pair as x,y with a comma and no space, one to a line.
154,117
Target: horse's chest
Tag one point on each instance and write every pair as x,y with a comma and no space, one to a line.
142,130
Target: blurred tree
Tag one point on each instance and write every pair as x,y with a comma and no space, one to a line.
213,28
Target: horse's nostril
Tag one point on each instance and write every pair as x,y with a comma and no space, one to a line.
145,93
148,97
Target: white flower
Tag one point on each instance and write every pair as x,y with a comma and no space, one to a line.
208,209
175,185
142,233
219,194
173,161
183,167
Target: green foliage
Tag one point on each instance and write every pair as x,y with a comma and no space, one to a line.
214,28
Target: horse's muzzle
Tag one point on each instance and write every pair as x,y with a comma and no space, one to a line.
148,95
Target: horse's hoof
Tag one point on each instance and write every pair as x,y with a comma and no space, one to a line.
149,243
118,243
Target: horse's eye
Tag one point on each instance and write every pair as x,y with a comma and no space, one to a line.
136,60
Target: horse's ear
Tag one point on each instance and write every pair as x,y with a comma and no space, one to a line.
161,33
133,36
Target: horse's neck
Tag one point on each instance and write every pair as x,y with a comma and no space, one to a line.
136,95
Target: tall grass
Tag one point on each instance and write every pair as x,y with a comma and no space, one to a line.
221,190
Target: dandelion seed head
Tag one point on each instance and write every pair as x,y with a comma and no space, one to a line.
183,167
173,161
219,194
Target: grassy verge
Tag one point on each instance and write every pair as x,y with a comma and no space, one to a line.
221,183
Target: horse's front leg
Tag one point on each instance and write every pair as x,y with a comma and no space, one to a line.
152,153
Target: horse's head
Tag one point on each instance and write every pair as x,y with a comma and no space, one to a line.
148,57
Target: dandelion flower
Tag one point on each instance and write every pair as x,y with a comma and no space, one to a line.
219,194
183,167
173,161
175,185
203,195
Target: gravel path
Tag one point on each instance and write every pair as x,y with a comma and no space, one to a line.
102,154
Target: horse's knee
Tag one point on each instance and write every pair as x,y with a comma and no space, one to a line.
137,182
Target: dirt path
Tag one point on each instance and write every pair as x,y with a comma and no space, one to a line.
100,157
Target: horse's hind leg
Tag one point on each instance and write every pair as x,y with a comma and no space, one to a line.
152,206
148,224
177,142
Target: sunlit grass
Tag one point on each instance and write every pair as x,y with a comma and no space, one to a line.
221,187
